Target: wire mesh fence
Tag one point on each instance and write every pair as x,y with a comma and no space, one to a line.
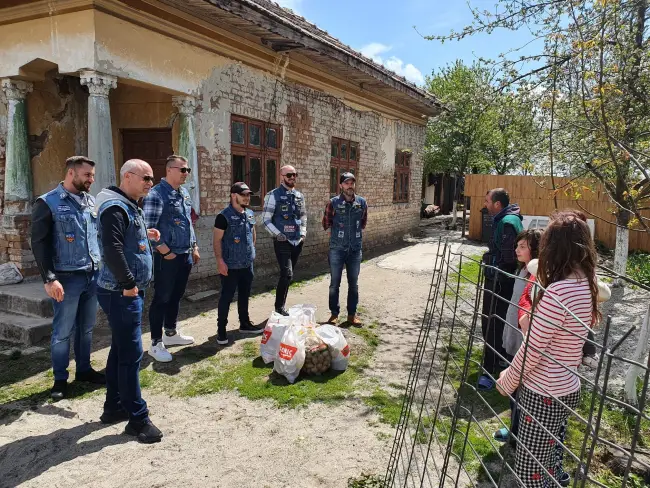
456,431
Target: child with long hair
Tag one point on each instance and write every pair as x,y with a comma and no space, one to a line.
547,361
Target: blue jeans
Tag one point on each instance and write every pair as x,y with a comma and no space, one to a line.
123,365
171,277
351,260
238,280
75,314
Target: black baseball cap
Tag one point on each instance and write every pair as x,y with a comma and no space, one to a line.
240,188
347,176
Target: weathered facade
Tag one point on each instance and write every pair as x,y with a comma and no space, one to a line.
239,87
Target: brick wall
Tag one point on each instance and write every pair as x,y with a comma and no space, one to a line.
309,119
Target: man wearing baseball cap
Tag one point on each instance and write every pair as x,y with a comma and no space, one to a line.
234,247
346,216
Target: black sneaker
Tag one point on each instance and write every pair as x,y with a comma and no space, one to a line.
59,389
222,338
249,328
114,416
91,376
146,432
282,311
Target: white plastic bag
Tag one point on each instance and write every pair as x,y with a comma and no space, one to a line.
271,339
305,313
291,355
338,346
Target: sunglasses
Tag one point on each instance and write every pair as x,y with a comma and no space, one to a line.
183,170
290,175
147,178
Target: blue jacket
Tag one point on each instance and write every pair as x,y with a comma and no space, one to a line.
346,232
237,248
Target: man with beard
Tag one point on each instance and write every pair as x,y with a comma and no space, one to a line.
285,218
234,247
64,243
346,215
168,208
126,272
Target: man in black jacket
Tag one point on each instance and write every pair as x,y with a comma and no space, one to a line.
126,272
64,243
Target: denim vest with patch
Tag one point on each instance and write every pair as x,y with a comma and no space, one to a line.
286,216
74,236
137,249
346,232
237,248
175,223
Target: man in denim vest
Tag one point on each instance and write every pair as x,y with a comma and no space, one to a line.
168,208
64,242
285,218
346,216
233,240
126,272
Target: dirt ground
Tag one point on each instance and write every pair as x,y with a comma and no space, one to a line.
224,439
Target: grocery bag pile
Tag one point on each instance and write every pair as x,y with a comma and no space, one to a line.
297,344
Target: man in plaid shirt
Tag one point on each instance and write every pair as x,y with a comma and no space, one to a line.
168,208
346,216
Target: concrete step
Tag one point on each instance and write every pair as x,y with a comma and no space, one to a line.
22,329
26,299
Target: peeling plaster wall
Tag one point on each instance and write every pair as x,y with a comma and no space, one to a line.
309,119
134,107
57,125
65,40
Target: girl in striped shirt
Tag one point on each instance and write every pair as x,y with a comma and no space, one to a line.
544,367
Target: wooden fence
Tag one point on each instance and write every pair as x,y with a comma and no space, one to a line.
535,197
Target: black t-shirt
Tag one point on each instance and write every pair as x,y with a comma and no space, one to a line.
221,222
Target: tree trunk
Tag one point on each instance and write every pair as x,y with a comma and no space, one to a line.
622,245
634,371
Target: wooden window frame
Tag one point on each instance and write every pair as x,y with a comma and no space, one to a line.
403,160
261,152
343,164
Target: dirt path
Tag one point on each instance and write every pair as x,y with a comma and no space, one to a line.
224,439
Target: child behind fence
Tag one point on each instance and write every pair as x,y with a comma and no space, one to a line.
544,367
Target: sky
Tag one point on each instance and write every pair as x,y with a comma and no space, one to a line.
391,33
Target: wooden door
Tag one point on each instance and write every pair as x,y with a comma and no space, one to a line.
150,145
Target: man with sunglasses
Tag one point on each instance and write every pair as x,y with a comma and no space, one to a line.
126,272
168,208
285,218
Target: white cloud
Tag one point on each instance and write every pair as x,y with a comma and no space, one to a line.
375,51
292,4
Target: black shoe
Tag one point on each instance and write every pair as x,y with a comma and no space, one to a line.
59,389
565,479
91,376
282,311
113,416
222,338
249,328
146,432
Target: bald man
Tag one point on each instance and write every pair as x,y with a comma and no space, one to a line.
285,218
126,272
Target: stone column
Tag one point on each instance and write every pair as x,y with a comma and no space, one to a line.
18,168
100,135
187,144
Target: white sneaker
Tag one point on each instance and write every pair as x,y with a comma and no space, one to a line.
177,339
159,353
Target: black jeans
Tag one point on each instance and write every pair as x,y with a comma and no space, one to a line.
240,280
287,255
171,277
493,328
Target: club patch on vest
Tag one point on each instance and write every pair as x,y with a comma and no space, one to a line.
63,208
341,234
69,236
358,234
142,245
289,229
284,208
177,221
237,240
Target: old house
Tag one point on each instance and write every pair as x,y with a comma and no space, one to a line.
239,87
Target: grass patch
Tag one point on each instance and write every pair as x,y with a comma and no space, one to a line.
464,279
366,481
389,407
638,267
